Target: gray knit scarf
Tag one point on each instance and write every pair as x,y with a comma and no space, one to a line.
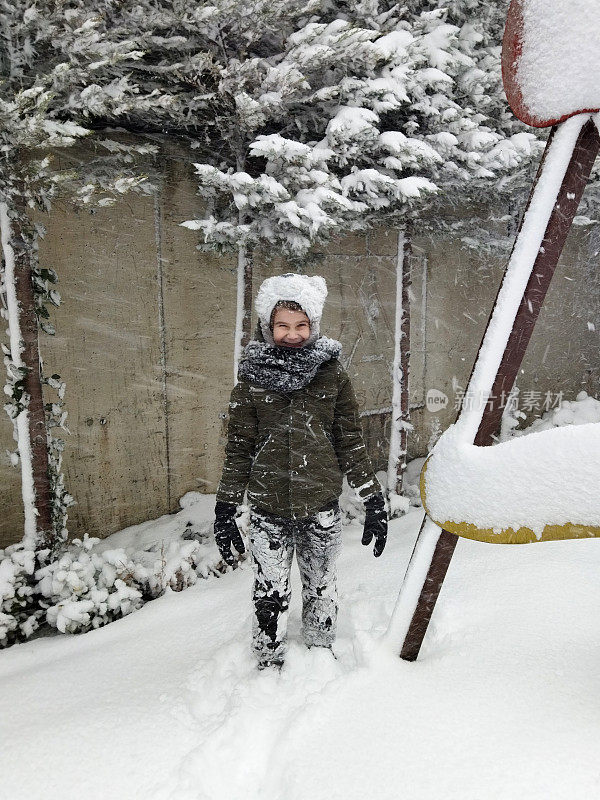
284,369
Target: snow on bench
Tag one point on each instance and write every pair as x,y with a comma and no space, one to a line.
551,59
536,487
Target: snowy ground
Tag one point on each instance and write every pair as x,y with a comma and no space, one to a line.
166,703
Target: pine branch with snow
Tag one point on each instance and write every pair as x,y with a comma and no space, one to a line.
347,117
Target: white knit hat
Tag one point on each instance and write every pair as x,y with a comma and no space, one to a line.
309,291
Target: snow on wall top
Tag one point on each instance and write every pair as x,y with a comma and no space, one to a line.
551,59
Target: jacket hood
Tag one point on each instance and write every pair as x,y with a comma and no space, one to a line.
309,291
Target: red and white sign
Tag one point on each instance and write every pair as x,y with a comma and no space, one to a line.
551,59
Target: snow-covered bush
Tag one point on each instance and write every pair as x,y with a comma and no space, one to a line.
580,411
173,565
19,608
95,581
86,589
83,589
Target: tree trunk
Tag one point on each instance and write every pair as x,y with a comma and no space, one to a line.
243,316
19,253
400,424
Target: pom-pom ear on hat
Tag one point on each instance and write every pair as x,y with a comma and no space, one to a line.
309,291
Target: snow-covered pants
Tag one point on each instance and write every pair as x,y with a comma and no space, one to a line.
317,540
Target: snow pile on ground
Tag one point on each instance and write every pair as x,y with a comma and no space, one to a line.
558,68
165,704
581,411
193,521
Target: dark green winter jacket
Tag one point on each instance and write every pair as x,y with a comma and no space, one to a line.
290,449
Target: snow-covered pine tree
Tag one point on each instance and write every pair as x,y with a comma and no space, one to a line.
299,115
57,72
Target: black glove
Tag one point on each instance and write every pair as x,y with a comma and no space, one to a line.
227,532
375,523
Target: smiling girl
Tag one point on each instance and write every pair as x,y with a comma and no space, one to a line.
294,431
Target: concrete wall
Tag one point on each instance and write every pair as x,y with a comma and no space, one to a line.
453,293
145,333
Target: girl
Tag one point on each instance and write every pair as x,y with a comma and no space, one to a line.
293,432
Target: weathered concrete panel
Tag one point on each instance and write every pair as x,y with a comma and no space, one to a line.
107,348
12,518
199,320
452,300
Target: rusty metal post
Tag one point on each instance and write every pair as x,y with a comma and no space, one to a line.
564,211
